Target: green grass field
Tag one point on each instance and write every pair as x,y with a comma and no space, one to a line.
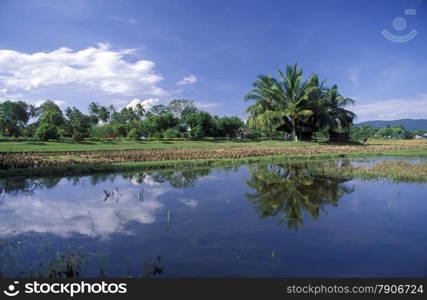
68,145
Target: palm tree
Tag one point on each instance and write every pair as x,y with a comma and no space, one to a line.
264,113
339,117
293,94
139,110
93,108
104,114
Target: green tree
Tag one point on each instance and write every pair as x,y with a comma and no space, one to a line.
135,134
50,113
103,114
264,114
178,106
339,117
47,131
293,94
228,126
159,109
200,123
78,124
13,117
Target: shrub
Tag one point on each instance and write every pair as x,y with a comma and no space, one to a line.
172,133
197,133
157,135
135,134
47,131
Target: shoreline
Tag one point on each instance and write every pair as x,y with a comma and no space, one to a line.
95,168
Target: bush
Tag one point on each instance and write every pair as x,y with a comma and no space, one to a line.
157,135
135,134
120,129
47,132
197,133
172,133
101,131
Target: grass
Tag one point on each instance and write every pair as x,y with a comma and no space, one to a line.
396,170
11,145
87,169
28,158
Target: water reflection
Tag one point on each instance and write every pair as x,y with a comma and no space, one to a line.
211,222
286,191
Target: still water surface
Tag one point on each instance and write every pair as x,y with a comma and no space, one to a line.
249,221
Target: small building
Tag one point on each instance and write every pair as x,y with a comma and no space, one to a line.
418,137
425,136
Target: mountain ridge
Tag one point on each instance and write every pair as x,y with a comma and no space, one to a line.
409,124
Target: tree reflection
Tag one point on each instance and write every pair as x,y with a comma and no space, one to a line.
176,178
26,186
286,191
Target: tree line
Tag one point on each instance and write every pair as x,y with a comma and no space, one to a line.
179,119
388,132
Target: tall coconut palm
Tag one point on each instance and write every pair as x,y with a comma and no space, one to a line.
293,95
104,114
264,113
139,110
339,117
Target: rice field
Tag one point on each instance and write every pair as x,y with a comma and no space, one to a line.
397,170
13,160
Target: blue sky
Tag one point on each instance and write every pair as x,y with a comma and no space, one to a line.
125,52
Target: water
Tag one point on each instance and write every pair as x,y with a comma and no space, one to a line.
250,221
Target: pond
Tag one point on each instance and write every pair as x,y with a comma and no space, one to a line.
247,221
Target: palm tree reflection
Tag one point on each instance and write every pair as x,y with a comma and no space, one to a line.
286,191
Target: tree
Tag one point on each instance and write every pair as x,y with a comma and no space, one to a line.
339,117
13,117
50,113
103,114
228,126
293,95
139,110
178,106
135,134
164,121
264,113
94,112
78,124
159,109
200,123
47,131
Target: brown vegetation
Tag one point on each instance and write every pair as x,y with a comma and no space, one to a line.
37,159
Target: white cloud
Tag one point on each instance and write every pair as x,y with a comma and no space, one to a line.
65,214
191,79
189,202
147,103
354,76
393,109
99,67
205,105
128,20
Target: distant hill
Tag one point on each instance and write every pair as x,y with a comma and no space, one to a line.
409,124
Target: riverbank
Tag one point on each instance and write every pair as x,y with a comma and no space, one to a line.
319,163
